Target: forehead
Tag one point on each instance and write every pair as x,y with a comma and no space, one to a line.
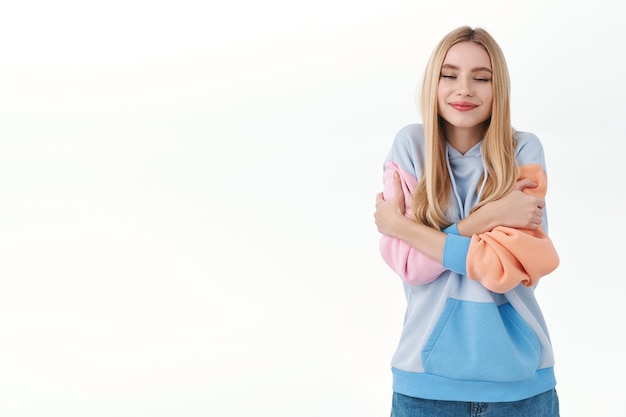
467,54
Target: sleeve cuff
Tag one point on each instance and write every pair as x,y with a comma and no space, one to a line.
455,252
452,229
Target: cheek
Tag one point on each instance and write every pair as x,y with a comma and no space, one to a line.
440,90
488,94
442,95
489,103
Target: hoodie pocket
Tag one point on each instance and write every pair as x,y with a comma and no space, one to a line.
481,342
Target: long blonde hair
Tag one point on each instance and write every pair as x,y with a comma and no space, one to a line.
433,193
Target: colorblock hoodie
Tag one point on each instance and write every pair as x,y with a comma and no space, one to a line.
473,330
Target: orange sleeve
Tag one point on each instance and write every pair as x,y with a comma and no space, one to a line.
504,257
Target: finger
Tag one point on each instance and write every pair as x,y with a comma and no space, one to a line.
525,183
397,181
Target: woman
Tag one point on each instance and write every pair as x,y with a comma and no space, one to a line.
463,224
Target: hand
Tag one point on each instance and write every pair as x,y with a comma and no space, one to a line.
518,209
390,213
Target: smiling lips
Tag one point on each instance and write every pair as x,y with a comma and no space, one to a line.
463,105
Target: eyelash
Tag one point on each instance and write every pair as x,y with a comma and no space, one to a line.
453,77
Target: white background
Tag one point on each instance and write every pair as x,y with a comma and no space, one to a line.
187,189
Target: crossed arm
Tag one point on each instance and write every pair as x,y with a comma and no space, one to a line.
418,251
517,210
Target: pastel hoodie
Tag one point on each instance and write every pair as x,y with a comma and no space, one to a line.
473,330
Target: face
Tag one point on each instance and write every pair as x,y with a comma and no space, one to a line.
465,93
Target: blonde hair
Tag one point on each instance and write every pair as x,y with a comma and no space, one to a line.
433,193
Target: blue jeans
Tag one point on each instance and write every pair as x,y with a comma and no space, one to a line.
542,405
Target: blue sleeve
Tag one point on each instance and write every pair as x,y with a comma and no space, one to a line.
452,229
455,250
408,149
529,150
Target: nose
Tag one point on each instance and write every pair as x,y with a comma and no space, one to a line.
464,87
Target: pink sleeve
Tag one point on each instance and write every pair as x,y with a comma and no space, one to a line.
505,257
412,266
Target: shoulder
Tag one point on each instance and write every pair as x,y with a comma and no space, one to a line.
408,148
412,134
409,139
529,149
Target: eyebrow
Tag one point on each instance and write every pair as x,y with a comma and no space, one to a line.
454,67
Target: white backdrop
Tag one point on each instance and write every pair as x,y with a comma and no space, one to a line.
187,189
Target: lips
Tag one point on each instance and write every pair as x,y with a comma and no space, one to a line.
463,105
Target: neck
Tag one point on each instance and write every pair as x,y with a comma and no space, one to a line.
463,138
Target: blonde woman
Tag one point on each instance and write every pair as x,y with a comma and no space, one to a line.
462,218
